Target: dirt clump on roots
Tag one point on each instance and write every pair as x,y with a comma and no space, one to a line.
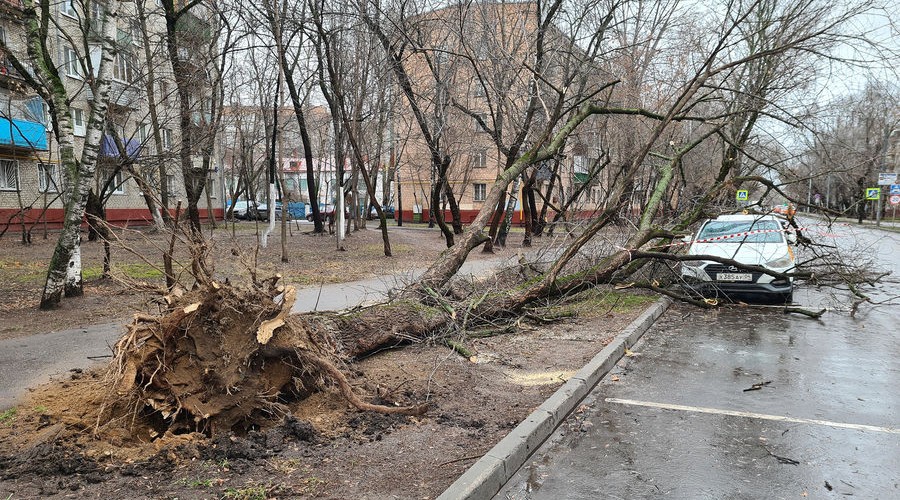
225,360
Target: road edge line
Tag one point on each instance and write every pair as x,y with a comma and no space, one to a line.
490,473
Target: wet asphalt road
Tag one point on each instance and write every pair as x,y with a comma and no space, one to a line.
679,421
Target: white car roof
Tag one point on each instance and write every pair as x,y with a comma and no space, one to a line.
745,217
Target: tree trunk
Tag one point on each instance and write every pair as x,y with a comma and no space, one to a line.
437,213
528,209
64,271
455,216
150,82
510,212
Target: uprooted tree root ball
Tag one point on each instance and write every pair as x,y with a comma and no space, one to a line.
223,359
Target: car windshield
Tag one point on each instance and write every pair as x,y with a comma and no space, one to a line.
734,231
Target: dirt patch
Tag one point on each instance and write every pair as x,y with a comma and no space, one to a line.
321,447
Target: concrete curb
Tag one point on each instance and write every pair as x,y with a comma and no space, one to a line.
488,475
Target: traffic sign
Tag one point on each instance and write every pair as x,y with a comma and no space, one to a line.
873,193
895,199
886,178
743,195
895,189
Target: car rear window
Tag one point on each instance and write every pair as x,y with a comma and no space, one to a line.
736,230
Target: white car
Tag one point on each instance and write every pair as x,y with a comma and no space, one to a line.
250,210
757,240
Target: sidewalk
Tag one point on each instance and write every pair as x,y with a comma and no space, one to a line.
887,225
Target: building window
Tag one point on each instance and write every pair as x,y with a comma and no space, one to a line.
211,187
123,67
166,138
171,187
118,184
96,21
136,35
67,7
48,175
78,126
9,175
480,192
143,133
36,110
480,159
70,62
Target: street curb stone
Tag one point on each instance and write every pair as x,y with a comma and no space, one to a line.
488,475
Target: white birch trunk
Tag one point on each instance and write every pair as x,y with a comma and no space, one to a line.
64,272
339,221
264,238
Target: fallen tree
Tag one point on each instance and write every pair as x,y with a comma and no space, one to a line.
226,358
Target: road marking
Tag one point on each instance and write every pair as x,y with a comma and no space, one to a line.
777,418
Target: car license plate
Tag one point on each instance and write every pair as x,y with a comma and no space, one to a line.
734,277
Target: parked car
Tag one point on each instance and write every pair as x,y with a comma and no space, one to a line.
249,210
261,212
757,240
326,214
278,210
388,212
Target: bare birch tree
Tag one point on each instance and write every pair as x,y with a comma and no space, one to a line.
64,270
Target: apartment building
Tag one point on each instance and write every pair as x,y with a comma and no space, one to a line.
137,146
473,80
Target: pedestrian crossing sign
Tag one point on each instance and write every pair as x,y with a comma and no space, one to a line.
873,193
743,195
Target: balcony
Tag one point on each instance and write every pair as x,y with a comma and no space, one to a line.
124,95
193,27
23,134
109,149
12,8
6,68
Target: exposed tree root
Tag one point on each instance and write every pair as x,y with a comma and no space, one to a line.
224,359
